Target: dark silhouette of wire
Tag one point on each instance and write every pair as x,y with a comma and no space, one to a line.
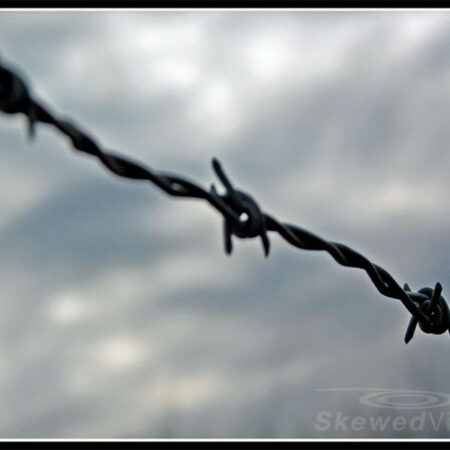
242,216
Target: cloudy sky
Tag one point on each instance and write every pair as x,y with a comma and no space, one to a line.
121,316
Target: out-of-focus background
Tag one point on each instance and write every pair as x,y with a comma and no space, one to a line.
120,314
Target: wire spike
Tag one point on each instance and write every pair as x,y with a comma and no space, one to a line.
217,166
411,329
227,237
265,243
436,296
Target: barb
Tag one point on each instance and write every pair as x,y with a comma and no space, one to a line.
241,214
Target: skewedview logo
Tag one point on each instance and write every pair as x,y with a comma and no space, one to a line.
402,410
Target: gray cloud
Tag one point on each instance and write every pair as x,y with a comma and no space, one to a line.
122,317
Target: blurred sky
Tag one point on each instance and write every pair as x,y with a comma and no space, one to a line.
121,316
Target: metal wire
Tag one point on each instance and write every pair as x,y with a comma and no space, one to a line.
242,216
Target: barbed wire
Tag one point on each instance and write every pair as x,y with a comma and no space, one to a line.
242,216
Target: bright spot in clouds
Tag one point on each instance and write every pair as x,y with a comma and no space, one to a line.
268,57
177,71
188,391
68,308
121,352
217,112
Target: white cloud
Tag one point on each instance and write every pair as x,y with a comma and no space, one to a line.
121,352
69,308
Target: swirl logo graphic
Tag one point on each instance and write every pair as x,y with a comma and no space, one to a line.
398,398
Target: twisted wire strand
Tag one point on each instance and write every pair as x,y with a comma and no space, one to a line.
15,98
